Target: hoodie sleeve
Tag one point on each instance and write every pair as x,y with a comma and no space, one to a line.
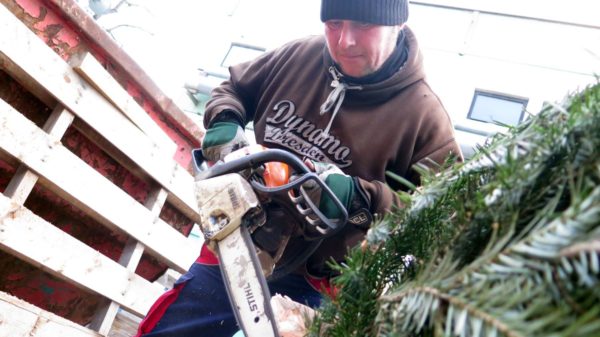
433,144
382,198
246,84
238,93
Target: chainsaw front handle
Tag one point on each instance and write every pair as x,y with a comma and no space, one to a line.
249,161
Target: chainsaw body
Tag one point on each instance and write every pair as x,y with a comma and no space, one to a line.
254,218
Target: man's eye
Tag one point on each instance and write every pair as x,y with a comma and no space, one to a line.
333,24
364,25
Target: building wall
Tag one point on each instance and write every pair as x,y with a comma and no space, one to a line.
534,58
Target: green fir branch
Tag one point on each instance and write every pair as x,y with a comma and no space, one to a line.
505,244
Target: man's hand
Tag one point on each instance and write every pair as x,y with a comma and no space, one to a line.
221,139
346,188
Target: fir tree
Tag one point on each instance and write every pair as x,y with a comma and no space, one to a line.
505,244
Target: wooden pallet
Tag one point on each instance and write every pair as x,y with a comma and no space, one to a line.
84,96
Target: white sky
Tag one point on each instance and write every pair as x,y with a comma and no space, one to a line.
190,34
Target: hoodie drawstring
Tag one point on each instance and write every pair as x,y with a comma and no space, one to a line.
336,97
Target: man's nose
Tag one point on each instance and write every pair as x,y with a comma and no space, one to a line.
347,36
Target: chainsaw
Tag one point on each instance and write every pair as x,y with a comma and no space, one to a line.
261,224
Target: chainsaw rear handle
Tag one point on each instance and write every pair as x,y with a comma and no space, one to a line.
319,225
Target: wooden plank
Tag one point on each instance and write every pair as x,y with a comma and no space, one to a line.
26,80
125,325
32,239
130,258
72,179
132,254
21,319
59,121
22,183
105,317
133,251
48,70
156,201
90,69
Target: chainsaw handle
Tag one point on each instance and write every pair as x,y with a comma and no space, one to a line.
319,225
249,161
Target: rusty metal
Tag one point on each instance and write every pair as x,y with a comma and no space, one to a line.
68,30
126,65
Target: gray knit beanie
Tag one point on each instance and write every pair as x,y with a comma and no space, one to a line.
379,12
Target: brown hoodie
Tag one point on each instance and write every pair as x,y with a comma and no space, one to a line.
385,126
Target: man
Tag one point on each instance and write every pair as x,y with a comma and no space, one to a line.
354,104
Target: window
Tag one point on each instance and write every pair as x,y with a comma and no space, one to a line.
239,52
492,107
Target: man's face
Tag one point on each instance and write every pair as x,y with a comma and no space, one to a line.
360,48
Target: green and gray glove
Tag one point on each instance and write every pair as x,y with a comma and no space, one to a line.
222,137
346,188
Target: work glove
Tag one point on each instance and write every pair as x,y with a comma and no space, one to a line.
346,188
223,136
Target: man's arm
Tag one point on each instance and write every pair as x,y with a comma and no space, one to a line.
227,112
244,87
